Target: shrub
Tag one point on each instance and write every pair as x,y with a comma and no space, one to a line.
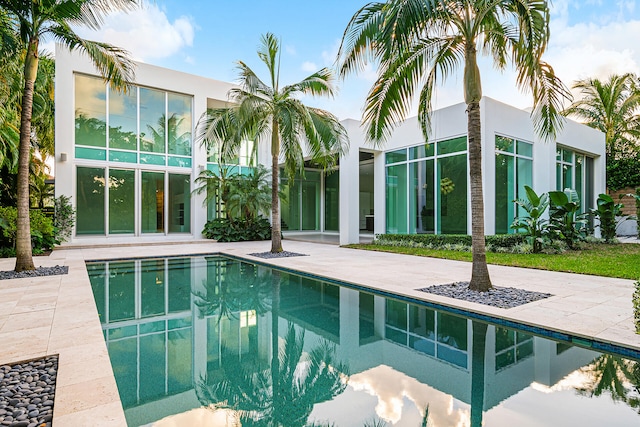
606,213
226,230
42,230
64,218
461,242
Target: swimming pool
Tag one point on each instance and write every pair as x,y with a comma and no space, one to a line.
189,335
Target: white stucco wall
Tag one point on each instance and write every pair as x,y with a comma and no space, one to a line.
496,118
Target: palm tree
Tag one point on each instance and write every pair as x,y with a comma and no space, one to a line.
33,20
261,110
610,106
418,43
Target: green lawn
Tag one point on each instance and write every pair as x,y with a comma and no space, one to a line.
620,260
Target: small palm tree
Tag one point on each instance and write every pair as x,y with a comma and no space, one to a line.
611,106
418,43
32,20
272,112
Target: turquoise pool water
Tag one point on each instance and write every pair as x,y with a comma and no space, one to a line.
191,339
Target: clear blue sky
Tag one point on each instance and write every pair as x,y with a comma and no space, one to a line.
204,37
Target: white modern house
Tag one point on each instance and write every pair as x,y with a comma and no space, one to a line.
128,161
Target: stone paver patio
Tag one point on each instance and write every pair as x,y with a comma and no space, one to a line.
57,314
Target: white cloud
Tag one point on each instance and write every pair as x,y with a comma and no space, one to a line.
146,33
309,66
291,50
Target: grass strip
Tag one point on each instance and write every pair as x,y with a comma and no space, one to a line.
618,260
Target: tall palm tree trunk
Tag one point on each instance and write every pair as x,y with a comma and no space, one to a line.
276,235
480,280
24,260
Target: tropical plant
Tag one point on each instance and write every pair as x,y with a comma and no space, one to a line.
239,230
261,110
565,220
421,42
606,213
31,21
250,195
534,224
241,201
612,107
43,236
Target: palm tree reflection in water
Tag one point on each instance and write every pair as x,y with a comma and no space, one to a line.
302,381
285,393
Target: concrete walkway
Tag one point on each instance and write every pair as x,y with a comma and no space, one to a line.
57,314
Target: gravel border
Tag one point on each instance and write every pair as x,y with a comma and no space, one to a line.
38,272
496,297
27,391
270,255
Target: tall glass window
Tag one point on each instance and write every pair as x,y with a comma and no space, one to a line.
152,209
332,201
396,199
300,209
121,201
422,203
123,119
452,194
90,111
179,204
575,170
152,120
179,124
431,197
90,183
514,170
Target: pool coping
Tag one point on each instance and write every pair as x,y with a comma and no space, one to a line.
57,314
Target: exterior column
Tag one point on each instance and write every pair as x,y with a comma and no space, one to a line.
379,191
350,196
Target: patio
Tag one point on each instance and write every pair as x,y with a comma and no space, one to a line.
57,314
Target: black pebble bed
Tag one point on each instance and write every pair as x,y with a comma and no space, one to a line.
283,254
27,390
496,297
40,271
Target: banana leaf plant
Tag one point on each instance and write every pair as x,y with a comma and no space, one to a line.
606,213
565,220
534,224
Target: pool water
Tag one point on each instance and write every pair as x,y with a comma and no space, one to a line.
191,342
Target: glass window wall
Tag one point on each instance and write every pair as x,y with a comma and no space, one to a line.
90,111
575,171
179,203
90,183
152,209
152,120
300,209
123,119
513,170
160,120
431,196
332,201
121,201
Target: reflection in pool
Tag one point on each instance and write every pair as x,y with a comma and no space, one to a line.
191,339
